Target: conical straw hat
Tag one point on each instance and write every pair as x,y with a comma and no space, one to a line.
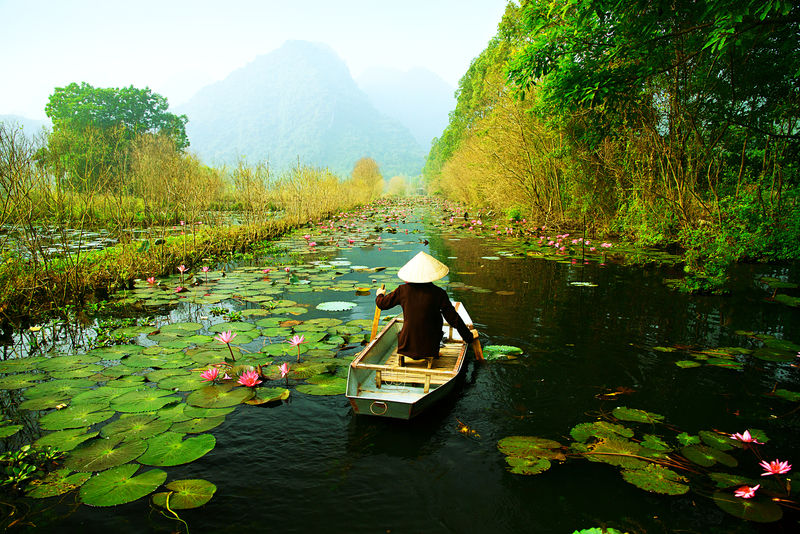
422,268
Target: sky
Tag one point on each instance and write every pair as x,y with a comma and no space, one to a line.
176,47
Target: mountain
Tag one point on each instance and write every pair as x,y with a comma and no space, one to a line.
31,127
297,102
418,98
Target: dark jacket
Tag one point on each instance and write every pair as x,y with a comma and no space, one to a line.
423,308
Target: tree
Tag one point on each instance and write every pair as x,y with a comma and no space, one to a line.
367,181
94,128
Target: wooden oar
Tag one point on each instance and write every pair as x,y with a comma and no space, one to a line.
477,349
376,319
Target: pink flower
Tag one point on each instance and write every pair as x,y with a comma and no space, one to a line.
747,492
286,269
182,268
266,271
249,379
151,280
592,249
775,467
296,340
745,437
307,237
225,337
351,241
205,268
209,375
312,243
179,289
605,245
284,368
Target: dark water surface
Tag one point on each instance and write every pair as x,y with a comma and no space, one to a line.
311,465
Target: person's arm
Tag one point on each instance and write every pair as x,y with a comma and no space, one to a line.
454,319
384,301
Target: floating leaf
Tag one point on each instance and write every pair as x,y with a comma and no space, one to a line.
336,306
136,427
66,388
599,530
599,429
687,364
788,395
330,385
760,511
99,395
103,453
65,440
143,400
686,439
75,417
527,466
170,448
530,447
639,416
655,443
9,430
497,352
43,403
119,486
722,442
728,480
185,494
268,395
56,483
708,456
195,426
219,396
657,479
182,382
616,451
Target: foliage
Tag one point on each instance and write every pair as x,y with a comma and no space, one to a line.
671,124
94,128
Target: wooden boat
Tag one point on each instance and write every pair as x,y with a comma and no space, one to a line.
378,385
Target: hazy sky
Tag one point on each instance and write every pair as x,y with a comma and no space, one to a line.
175,47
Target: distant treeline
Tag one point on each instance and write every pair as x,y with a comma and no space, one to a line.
667,123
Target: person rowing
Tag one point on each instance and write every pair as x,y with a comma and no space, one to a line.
424,305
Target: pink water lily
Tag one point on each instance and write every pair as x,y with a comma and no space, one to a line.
295,342
249,379
775,467
209,375
745,437
284,368
151,280
747,492
182,268
227,337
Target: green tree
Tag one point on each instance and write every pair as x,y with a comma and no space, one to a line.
94,128
367,181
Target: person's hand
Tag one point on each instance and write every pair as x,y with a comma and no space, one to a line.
380,291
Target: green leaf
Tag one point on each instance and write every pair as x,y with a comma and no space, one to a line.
103,453
756,509
639,416
143,400
708,456
219,396
65,440
9,430
599,429
336,306
119,486
56,483
170,448
185,494
686,439
195,426
135,427
657,479
527,466
75,417
530,447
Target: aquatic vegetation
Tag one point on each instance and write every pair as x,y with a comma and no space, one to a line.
654,465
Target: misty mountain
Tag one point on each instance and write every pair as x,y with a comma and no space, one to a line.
31,127
298,101
418,98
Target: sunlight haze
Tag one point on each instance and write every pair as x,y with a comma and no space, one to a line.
177,47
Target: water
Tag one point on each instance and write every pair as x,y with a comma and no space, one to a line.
311,465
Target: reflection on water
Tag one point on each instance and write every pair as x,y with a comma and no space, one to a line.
310,465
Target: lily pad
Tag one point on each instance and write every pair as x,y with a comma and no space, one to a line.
336,306
269,395
103,453
195,426
639,416
75,417
143,400
599,429
170,448
65,440
185,494
118,485
758,510
9,430
527,466
331,385
56,483
135,427
616,451
497,352
657,479
219,396
530,447
708,456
